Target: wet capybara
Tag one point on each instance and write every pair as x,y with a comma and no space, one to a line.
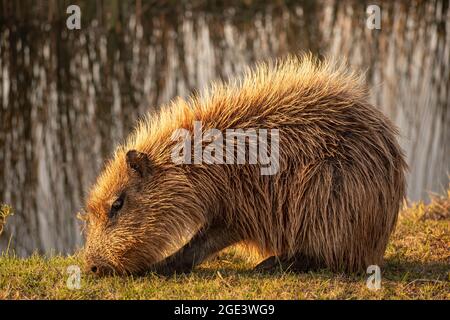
332,201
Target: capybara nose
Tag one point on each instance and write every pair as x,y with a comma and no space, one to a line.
94,269
99,269
96,266
91,268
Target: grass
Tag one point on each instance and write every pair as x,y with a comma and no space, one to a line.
417,267
5,212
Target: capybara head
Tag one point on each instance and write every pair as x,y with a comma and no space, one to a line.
135,213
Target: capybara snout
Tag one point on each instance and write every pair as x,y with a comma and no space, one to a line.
97,267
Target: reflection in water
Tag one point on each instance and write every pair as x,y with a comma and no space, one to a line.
67,97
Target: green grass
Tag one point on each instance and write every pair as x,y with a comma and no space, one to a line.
417,267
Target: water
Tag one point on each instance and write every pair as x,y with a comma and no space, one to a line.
67,97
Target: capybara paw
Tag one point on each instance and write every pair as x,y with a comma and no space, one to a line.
172,270
268,265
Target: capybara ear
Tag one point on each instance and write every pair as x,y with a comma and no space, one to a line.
139,162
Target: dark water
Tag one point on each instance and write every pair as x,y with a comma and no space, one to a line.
67,97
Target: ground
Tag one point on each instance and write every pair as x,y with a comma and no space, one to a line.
417,267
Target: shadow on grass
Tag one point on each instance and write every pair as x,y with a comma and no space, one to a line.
396,270
393,270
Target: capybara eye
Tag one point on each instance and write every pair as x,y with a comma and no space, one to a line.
116,206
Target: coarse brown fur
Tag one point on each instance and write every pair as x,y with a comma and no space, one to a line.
333,203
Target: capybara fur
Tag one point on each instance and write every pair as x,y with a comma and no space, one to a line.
332,204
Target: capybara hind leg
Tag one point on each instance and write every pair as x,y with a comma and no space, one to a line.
297,263
203,245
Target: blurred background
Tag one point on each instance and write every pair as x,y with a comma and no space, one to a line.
67,97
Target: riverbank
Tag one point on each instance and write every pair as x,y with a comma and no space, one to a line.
417,267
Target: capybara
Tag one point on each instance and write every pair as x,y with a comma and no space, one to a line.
332,203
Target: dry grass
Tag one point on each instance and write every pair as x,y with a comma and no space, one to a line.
417,267
5,212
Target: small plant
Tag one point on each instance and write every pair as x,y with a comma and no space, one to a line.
5,212
439,207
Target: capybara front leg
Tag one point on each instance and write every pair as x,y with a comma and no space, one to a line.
297,263
204,244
